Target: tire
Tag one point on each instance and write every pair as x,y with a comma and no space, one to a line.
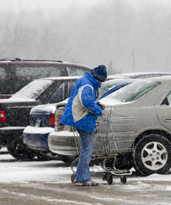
152,155
43,157
67,160
19,151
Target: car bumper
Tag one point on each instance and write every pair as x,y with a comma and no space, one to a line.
36,137
7,134
62,143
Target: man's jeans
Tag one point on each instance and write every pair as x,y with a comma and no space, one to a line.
88,140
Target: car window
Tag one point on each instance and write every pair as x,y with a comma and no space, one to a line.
25,75
2,80
58,96
32,90
133,91
113,89
103,90
70,88
40,72
74,71
2,73
169,98
5,81
62,93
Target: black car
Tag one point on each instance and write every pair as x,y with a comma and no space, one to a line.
16,73
14,112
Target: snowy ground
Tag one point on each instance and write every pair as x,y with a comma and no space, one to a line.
48,182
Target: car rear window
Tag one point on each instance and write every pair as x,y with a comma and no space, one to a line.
40,72
133,91
4,81
32,90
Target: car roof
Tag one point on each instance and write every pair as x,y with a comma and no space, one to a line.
118,81
140,74
61,78
160,78
18,61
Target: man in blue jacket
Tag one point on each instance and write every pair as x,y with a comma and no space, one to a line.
81,112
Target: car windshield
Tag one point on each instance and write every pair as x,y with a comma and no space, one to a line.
104,89
132,92
115,84
33,89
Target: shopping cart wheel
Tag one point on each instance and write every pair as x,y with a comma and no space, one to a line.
104,177
109,178
123,179
73,177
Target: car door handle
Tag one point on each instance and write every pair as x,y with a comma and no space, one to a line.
167,118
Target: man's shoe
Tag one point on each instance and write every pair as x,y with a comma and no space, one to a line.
78,183
90,183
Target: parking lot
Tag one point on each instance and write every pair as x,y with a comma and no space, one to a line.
48,182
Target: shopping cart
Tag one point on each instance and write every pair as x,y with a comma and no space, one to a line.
115,135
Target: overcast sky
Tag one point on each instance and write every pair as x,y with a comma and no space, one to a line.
126,35
46,4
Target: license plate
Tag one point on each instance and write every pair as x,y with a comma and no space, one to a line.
38,122
67,127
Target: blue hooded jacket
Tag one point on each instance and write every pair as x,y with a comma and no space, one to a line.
81,110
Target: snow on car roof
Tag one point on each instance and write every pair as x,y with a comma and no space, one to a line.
139,74
160,78
61,78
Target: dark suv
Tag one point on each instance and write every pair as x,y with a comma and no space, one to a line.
14,111
16,73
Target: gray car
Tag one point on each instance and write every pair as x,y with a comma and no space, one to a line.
137,128
148,138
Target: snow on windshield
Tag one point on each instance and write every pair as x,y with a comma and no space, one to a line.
130,92
33,89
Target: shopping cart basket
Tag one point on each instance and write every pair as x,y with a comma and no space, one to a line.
115,135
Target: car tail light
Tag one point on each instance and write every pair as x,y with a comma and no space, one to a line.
51,120
2,116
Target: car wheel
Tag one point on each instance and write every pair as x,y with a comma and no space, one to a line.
67,160
19,151
152,155
43,157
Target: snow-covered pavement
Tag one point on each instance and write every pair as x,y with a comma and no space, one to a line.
49,182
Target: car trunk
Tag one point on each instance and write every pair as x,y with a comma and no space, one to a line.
43,115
